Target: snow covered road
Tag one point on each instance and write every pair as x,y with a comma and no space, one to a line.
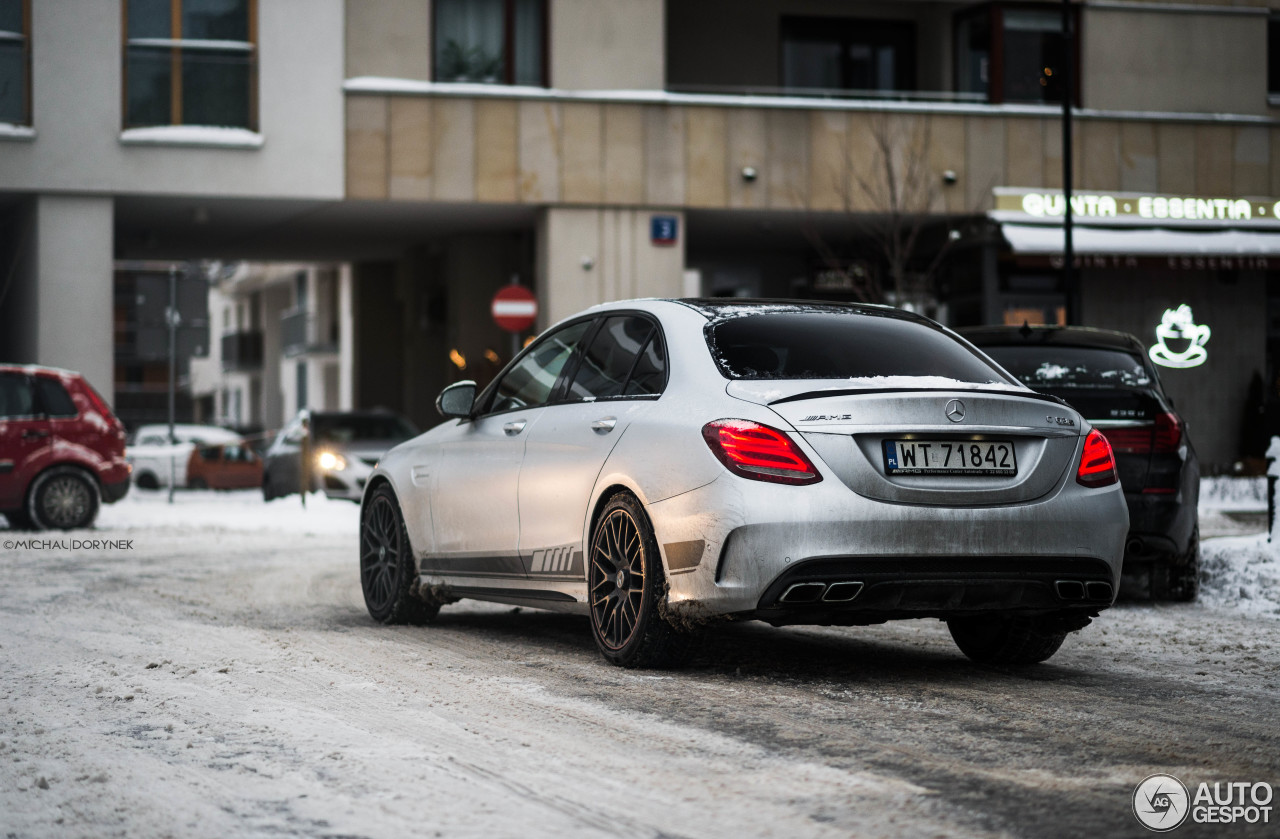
219,677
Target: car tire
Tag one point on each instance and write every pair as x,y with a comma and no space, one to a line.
388,575
63,498
197,483
1005,639
268,493
1178,580
147,480
625,590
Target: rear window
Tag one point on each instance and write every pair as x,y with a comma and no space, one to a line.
350,429
1051,367
838,345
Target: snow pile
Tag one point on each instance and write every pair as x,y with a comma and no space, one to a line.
1233,494
239,511
1241,573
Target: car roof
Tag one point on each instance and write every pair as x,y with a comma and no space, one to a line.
1060,336
719,308
716,309
38,369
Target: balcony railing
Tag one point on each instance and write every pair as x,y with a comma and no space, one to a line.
833,93
242,351
301,333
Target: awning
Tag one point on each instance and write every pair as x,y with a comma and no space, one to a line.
1047,239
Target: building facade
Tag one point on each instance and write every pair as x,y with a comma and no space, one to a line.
600,149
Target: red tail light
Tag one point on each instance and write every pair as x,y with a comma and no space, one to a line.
1168,433
1097,464
756,451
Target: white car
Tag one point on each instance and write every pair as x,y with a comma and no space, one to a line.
153,455
659,464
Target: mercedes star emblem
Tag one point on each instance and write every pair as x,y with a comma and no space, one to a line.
955,410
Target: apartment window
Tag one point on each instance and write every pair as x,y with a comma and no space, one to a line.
190,62
876,56
15,62
491,41
1012,53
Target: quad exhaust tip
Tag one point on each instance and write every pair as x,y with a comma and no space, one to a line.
842,592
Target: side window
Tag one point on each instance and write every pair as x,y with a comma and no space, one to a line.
650,373
609,362
55,402
16,398
529,383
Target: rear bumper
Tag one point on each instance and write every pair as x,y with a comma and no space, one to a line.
911,560
114,480
111,493
1160,526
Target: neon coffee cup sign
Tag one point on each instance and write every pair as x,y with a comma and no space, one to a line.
1180,340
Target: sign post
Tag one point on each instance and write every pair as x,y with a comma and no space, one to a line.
515,309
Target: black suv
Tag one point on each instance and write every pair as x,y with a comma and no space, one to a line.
1107,377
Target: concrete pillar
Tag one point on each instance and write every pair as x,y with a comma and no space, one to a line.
72,308
346,340
597,255
276,300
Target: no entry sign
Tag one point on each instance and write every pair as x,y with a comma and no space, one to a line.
514,308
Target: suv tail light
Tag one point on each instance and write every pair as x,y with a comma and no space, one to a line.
756,451
1162,438
1168,433
1097,464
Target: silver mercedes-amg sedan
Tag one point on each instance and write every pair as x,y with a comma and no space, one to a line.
661,464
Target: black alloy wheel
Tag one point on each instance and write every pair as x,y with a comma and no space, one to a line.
624,584
387,568
63,498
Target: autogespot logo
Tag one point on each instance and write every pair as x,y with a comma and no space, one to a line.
1161,803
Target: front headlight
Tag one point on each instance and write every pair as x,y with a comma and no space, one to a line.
330,462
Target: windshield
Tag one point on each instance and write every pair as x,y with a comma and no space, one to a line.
1043,366
347,429
842,345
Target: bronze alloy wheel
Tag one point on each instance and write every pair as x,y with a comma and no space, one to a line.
625,584
617,579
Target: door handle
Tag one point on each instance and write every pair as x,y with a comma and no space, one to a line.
33,433
605,425
514,428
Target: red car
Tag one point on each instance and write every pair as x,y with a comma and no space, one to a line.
225,466
61,449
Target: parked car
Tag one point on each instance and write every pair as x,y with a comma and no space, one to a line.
153,455
1108,377
225,466
342,446
61,449
658,464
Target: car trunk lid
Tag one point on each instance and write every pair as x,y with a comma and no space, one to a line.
849,428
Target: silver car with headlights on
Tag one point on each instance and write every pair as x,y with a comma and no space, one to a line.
660,464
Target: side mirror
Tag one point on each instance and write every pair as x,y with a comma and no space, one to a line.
456,400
